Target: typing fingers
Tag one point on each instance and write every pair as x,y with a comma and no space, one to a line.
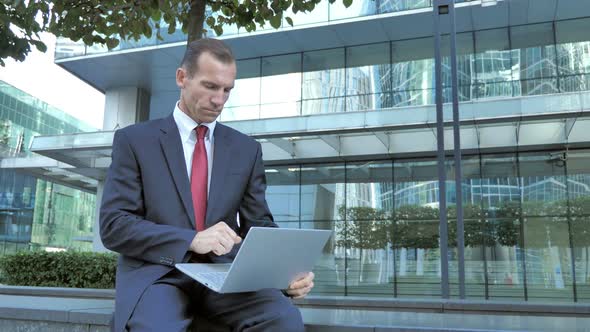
225,238
223,227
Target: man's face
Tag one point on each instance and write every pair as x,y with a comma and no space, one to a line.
203,95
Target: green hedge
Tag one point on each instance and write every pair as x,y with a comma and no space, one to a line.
59,269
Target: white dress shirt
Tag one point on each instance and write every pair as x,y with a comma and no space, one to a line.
188,137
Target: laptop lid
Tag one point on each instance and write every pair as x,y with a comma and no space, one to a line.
268,258
274,257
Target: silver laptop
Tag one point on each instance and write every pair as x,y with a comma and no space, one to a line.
268,258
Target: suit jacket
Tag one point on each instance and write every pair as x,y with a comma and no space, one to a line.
147,215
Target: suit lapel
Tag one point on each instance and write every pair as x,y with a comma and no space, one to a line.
173,152
221,159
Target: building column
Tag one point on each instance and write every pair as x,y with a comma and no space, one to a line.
124,106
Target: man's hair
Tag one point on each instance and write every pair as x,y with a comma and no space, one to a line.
218,49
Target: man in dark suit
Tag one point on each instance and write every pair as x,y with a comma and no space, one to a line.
173,193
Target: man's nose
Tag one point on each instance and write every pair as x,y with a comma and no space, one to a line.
218,98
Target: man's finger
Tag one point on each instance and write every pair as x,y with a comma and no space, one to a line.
302,282
230,232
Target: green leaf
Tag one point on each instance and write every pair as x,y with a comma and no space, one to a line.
112,43
275,21
347,3
226,11
39,45
289,20
210,21
172,27
156,15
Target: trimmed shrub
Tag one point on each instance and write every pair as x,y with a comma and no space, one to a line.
59,269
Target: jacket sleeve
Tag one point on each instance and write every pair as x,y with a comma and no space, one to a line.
123,227
254,210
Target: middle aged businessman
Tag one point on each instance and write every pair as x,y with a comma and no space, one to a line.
172,195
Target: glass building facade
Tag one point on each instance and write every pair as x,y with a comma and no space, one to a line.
526,215
526,206
36,214
518,61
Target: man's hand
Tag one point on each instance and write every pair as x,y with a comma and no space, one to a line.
219,239
301,287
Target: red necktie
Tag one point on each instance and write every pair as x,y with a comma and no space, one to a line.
199,179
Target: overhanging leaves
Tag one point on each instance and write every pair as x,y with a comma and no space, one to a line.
109,21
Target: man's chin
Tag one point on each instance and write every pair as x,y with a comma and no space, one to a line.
211,117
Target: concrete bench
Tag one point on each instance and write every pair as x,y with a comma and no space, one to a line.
63,309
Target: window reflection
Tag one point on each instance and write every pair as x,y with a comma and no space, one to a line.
415,229
281,78
573,54
368,75
367,228
322,195
578,180
536,58
493,64
526,227
323,74
282,193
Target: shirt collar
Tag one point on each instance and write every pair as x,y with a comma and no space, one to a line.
186,125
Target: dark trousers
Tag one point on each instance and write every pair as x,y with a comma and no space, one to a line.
171,303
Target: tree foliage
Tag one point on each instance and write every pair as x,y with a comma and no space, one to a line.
108,21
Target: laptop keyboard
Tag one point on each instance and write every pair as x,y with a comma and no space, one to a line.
214,278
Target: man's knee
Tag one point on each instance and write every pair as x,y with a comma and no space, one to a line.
287,318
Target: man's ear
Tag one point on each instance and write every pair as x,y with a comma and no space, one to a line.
180,77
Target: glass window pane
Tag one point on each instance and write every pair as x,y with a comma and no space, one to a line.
246,92
413,72
493,64
578,176
274,110
323,74
367,226
415,230
544,189
546,229
536,58
387,6
476,236
503,254
464,49
322,197
282,193
367,69
322,191
573,54
281,78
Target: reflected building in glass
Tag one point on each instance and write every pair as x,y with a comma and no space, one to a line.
343,106
34,213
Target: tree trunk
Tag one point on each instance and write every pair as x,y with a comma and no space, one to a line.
196,18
